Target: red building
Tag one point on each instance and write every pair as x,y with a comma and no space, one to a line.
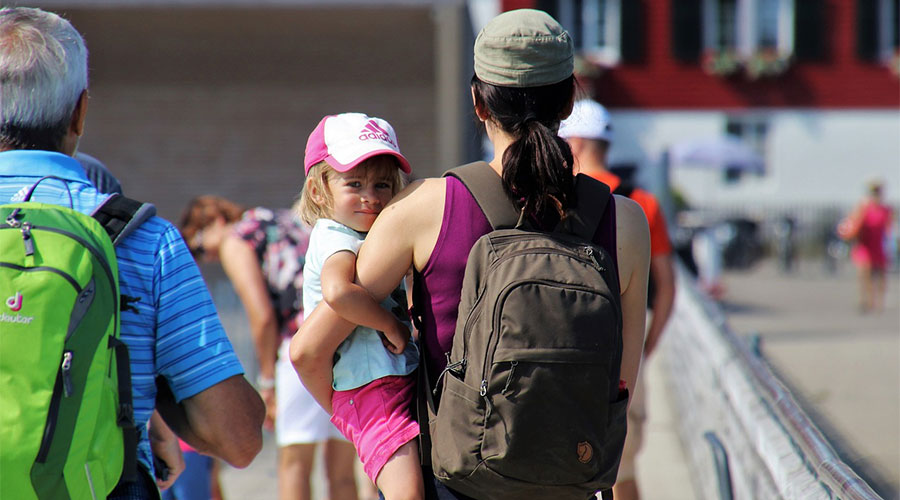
812,85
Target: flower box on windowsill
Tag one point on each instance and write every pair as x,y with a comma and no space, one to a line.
762,64
721,63
766,64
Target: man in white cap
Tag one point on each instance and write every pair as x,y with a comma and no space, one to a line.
589,132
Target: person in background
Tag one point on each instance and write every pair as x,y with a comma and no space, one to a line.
589,132
868,227
172,329
263,253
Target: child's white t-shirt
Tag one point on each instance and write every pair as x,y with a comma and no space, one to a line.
361,358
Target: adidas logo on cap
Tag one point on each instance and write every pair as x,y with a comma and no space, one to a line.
373,131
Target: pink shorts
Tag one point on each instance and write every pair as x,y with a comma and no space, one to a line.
377,418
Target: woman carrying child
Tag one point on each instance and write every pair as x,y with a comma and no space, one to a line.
523,87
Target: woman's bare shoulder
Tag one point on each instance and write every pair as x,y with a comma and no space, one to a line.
422,194
632,231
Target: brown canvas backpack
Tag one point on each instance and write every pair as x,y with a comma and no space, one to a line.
529,405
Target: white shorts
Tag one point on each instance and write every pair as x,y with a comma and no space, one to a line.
299,419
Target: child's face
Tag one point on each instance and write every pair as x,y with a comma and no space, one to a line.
359,194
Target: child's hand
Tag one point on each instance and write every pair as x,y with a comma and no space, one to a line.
395,339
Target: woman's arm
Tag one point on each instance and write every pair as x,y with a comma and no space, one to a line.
244,271
312,350
354,303
633,242
403,236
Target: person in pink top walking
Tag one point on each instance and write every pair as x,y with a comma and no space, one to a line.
868,226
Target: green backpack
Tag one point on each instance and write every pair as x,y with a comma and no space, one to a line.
66,417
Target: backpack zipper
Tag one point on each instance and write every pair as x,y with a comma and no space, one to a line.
63,387
52,416
586,256
87,471
66,370
512,370
458,368
27,239
68,277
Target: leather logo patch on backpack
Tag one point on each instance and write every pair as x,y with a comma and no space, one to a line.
585,452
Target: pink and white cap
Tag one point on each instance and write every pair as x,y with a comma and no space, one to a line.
347,139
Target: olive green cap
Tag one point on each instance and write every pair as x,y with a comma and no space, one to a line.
523,48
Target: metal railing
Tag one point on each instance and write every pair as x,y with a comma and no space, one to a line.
832,472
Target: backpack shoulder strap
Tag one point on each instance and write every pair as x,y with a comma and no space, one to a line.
120,215
593,197
487,189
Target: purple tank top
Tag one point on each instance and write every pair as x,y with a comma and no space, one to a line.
439,284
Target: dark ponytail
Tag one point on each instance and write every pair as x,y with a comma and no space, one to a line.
537,166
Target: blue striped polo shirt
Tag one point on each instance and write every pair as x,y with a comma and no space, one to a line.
175,331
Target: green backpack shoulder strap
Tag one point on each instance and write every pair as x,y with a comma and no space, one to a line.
120,216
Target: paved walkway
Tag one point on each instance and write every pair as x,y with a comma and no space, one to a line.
842,366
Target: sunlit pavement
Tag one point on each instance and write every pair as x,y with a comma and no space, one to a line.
842,366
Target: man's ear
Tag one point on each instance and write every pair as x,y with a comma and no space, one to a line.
79,114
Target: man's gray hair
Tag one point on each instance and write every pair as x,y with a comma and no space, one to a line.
43,71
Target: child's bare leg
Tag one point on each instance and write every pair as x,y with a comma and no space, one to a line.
401,476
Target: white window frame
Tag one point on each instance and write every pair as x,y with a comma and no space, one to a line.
759,142
747,27
608,51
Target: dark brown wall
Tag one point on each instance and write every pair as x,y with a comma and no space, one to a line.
194,101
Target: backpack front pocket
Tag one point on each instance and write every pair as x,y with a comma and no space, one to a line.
544,422
457,429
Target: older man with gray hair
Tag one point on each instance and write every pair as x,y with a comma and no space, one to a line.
170,326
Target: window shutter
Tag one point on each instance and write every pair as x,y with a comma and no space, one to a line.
633,32
809,30
867,29
687,30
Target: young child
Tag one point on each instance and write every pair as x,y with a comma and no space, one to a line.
353,169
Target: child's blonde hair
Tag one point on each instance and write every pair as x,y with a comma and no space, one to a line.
317,179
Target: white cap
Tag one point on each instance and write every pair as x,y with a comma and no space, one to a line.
589,120
346,140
